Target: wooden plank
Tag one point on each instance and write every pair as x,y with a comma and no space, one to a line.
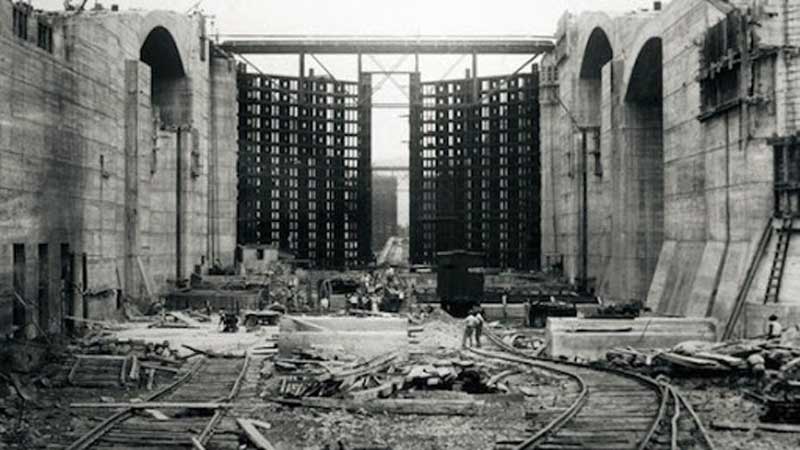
424,407
197,350
157,367
381,391
102,357
123,371
135,367
197,445
151,373
71,376
147,286
750,426
152,405
254,435
156,414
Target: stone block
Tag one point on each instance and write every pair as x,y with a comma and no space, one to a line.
364,337
590,339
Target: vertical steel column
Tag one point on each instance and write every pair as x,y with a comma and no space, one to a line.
475,86
415,232
129,279
365,168
301,79
584,267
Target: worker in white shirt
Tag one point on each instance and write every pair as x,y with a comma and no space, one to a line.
479,326
774,328
504,301
470,324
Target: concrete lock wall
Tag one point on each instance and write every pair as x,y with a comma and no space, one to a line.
675,213
88,165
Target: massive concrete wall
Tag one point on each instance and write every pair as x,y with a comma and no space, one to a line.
686,246
88,166
582,98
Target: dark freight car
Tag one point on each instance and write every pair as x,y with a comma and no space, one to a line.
459,280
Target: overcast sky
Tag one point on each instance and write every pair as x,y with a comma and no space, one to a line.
354,17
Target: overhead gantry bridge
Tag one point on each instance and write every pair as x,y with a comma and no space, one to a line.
312,45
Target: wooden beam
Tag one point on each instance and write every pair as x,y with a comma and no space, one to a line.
423,407
153,405
255,436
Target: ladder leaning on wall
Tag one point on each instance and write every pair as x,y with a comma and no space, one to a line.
779,261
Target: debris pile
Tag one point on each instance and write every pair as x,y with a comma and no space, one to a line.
754,355
770,366
102,360
384,384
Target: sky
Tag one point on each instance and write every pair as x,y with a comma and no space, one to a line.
381,17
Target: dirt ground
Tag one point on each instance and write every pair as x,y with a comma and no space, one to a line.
50,423
722,399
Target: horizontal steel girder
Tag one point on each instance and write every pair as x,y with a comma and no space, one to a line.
389,46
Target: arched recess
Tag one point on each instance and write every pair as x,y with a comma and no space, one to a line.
644,141
593,231
597,54
172,167
170,94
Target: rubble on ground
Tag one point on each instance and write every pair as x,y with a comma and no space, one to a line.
765,370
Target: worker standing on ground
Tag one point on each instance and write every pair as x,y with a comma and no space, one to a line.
774,328
470,323
479,325
504,301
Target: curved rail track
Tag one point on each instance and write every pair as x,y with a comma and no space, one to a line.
208,380
605,409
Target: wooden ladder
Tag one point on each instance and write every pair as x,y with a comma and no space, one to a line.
779,262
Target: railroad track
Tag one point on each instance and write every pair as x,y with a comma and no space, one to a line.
209,380
604,409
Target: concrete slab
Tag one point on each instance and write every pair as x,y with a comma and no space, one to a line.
591,338
706,281
516,312
364,337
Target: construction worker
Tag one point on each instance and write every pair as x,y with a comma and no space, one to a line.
774,328
470,323
479,325
504,301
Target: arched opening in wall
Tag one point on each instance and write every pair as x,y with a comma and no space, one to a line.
169,87
644,139
593,232
598,53
171,166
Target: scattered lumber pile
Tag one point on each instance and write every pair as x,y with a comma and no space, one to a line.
773,365
107,344
314,377
101,360
381,385
754,355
